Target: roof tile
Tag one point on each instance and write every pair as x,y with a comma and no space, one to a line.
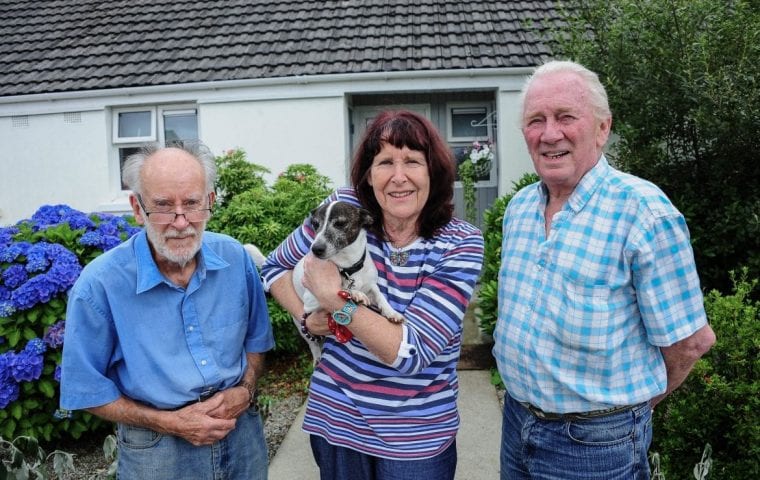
58,45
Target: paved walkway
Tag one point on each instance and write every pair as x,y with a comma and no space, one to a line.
477,442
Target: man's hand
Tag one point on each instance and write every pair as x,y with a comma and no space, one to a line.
202,424
234,401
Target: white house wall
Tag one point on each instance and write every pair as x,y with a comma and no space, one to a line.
278,133
276,121
52,159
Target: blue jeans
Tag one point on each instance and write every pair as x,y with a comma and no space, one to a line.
147,455
340,463
613,447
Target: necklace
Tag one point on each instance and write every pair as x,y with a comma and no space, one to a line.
398,257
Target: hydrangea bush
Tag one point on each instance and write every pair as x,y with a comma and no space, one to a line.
40,259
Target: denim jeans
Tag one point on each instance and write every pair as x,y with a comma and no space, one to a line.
340,463
147,455
613,447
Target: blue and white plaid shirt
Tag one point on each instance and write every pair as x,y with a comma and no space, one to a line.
582,313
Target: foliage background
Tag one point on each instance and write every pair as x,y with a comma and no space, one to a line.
682,78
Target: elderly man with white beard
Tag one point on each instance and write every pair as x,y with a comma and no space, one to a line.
166,333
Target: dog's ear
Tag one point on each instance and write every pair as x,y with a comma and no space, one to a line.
366,217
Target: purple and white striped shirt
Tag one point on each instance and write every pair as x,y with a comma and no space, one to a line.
406,410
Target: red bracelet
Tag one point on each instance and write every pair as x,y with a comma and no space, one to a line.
342,334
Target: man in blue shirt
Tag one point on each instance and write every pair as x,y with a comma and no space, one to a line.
166,333
600,309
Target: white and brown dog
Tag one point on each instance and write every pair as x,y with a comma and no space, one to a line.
340,237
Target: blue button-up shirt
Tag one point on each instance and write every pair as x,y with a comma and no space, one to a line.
583,310
131,331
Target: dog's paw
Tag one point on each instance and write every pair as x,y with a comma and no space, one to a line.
359,297
393,316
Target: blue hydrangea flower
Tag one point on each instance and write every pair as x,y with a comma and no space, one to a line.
5,294
51,215
57,374
26,366
35,346
6,236
37,257
9,392
12,251
14,275
90,239
54,336
6,308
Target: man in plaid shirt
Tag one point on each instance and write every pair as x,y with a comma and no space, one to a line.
600,309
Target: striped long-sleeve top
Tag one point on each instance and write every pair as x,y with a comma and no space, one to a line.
406,410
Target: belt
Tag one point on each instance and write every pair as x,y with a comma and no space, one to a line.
538,413
205,395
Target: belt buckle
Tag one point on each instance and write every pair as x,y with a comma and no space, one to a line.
207,394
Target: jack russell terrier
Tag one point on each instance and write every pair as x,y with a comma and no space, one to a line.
340,237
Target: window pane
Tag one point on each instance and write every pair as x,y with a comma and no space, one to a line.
124,153
180,126
134,124
463,119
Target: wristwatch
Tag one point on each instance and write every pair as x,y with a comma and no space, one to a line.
251,391
345,314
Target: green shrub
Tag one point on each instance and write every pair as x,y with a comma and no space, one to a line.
683,83
492,235
40,259
265,216
719,403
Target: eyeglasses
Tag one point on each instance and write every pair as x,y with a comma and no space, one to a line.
160,217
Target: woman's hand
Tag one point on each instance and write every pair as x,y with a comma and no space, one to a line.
322,279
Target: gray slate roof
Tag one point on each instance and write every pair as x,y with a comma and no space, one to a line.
70,45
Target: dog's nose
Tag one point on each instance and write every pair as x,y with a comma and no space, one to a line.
318,250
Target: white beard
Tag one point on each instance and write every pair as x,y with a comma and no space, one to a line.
180,256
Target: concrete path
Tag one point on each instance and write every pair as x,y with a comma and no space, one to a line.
477,442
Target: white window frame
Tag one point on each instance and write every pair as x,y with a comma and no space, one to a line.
147,138
450,107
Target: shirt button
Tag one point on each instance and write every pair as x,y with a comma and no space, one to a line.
203,362
190,328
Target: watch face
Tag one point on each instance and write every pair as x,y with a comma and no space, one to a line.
341,318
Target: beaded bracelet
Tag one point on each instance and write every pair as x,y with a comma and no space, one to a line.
305,330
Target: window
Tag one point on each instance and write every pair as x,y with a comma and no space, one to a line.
466,123
163,124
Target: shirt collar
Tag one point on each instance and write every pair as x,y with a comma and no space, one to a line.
586,186
148,274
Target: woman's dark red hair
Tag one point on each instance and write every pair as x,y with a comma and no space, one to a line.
403,128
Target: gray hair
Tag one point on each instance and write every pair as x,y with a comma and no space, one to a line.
130,172
597,94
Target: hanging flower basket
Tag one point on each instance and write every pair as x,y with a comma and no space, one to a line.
481,168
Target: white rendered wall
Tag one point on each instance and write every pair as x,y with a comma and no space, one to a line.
46,160
513,154
278,133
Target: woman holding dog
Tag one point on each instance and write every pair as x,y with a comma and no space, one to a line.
382,399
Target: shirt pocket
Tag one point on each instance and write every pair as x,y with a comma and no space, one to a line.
590,318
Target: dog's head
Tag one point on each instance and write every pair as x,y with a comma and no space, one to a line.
338,225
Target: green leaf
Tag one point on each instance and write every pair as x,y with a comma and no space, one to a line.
17,411
46,387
